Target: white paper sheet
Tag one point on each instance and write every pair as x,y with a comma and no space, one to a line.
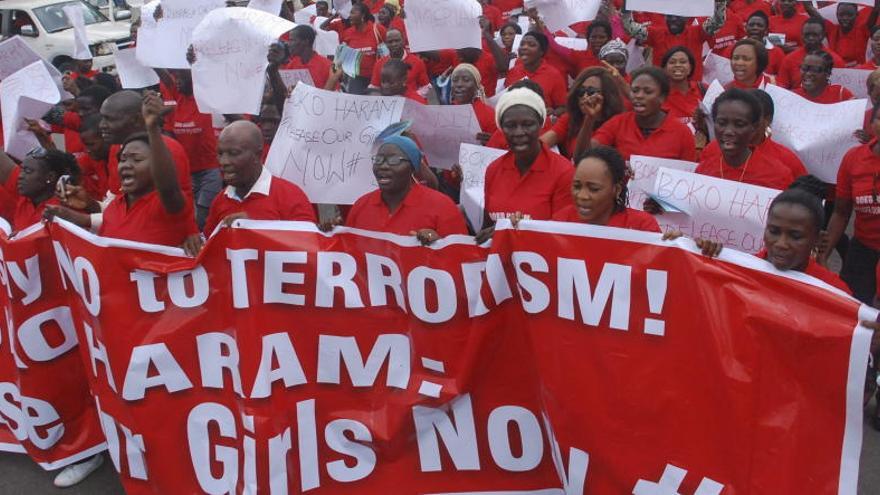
132,73
269,6
292,77
15,54
855,80
644,170
325,141
74,14
731,213
163,43
687,8
474,160
717,67
28,93
440,130
326,41
819,134
559,14
440,24
231,46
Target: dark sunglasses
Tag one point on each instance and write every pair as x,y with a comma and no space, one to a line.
581,91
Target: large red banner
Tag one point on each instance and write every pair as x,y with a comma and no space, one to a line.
46,410
564,359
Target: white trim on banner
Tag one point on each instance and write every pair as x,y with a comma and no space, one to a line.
67,461
12,448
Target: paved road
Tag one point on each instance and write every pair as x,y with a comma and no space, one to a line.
20,476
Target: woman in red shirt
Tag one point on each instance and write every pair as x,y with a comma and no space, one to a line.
361,33
393,81
600,194
815,73
648,129
685,95
858,189
875,51
32,185
748,62
467,89
531,65
737,116
529,181
594,87
401,205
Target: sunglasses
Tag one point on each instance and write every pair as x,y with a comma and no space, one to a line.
591,91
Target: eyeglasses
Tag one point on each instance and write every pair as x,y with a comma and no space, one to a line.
813,69
390,160
37,152
590,91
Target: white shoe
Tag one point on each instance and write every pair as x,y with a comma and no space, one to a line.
72,475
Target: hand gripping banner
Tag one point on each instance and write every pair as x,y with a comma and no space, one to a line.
565,359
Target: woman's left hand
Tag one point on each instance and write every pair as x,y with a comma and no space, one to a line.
426,236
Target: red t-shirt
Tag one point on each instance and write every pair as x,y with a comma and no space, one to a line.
195,132
445,59
759,170
818,271
790,73
790,27
485,116
508,5
732,30
27,214
422,208
541,192
693,37
147,221
318,66
282,200
365,41
416,77
833,93
768,147
181,161
550,80
745,8
493,13
626,219
567,142
94,175
853,45
671,140
680,105
857,181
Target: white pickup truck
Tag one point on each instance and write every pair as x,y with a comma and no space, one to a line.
44,27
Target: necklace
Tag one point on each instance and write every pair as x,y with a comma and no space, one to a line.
745,167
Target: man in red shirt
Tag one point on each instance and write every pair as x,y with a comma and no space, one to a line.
849,38
812,34
417,75
745,8
789,22
301,50
121,116
195,132
251,191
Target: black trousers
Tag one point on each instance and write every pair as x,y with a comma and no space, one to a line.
860,271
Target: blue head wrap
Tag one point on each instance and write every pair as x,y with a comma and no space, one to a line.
409,148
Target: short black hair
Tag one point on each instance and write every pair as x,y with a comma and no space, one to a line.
90,124
541,38
96,92
61,163
397,66
768,109
742,95
616,166
599,24
762,58
800,195
760,14
826,57
687,52
516,27
657,74
814,21
304,32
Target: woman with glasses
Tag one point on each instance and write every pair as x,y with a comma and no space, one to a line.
32,185
685,94
594,92
647,129
529,181
401,205
815,74
858,190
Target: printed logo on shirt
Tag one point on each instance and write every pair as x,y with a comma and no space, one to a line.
506,215
867,204
187,128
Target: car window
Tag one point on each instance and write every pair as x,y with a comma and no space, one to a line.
53,19
20,19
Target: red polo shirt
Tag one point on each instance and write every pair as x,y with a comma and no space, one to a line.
542,191
857,181
853,45
365,41
270,198
671,140
318,66
27,214
759,170
768,147
147,221
790,73
485,116
416,77
626,219
818,271
422,208
195,132
732,30
445,59
93,175
680,105
693,37
833,93
790,27
178,153
745,8
550,80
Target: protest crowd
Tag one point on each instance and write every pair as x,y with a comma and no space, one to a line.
563,104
